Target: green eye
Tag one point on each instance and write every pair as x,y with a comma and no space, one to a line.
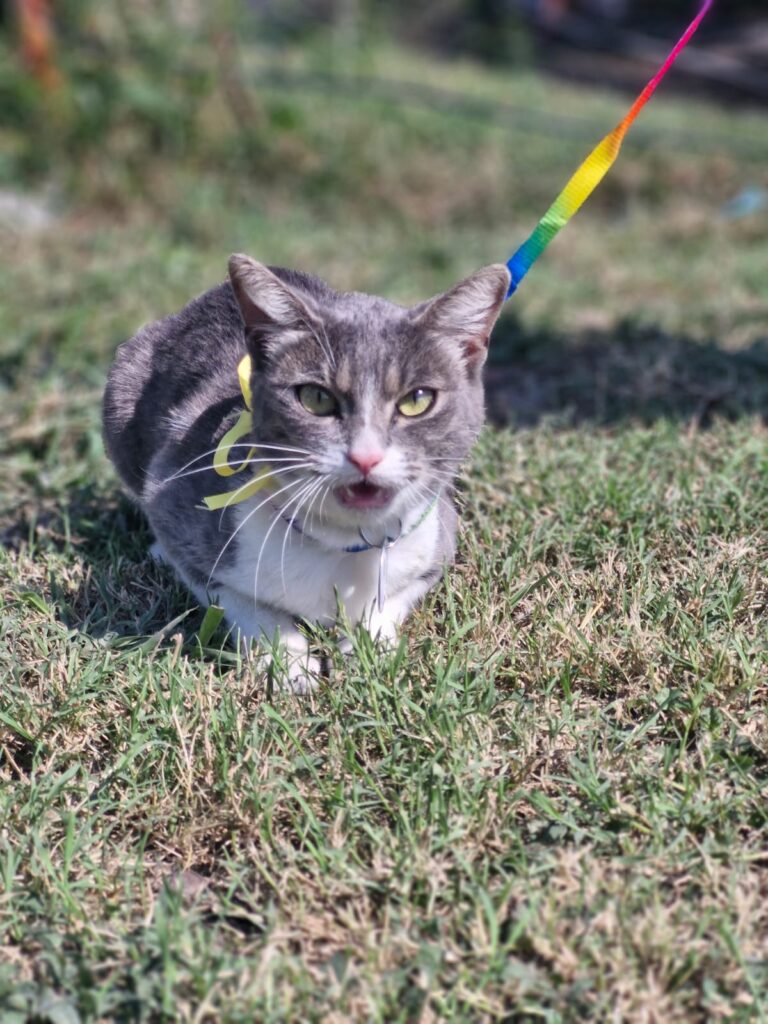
317,400
416,402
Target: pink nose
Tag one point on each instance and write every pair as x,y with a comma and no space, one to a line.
365,461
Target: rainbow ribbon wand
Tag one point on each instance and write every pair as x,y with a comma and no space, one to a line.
592,171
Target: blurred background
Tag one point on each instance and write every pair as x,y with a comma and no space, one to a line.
389,147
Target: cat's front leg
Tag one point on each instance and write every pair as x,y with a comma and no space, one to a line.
383,623
279,640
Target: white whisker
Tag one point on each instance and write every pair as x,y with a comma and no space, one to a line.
282,448
443,474
438,497
308,519
237,444
296,464
242,524
322,501
272,525
234,496
289,526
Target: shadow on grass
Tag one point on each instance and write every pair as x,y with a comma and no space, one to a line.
95,572
627,373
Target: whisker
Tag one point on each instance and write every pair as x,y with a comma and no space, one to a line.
453,473
322,501
239,444
455,468
308,519
297,509
281,513
296,463
289,527
272,525
444,474
282,448
247,483
240,525
430,495
286,534
444,482
447,485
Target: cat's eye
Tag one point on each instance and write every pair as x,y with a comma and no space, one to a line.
416,402
317,400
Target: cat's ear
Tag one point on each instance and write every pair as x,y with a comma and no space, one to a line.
467,312
265,301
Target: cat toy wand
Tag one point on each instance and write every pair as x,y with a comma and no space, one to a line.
592,171
574,195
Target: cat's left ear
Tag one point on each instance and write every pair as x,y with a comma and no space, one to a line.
266,302
467,312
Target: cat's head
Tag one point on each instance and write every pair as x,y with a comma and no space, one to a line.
380,402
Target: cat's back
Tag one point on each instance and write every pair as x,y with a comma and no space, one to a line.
164,368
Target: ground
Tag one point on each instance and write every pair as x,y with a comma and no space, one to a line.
549,803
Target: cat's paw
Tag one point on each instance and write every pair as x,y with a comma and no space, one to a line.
383,630
384,633
299,675
288,671
346,646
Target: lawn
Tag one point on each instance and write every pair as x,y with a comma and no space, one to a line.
549,803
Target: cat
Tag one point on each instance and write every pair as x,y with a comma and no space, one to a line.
362,412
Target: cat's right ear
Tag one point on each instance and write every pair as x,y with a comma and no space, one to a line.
266,303
465,315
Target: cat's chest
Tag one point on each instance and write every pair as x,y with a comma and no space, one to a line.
287,570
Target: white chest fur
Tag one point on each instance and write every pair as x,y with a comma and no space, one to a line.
294,572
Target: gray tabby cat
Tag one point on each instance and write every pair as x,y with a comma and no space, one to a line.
362,412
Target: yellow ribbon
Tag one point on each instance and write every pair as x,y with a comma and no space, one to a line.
221,462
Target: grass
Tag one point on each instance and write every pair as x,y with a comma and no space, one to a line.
549,804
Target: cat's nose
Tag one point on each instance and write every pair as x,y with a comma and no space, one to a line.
365,461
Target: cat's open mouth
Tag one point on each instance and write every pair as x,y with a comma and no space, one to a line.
363,495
